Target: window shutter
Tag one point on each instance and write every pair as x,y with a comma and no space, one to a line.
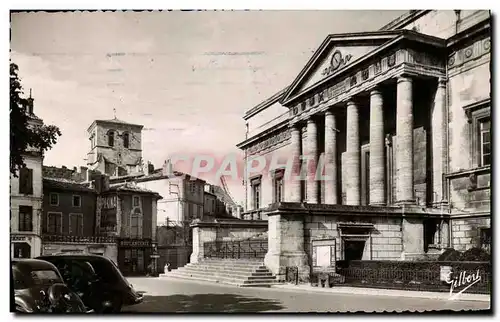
29,182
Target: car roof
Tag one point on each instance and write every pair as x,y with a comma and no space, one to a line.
32,264
73,256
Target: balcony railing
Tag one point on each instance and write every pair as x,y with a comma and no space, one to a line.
252,215
79,239
236,249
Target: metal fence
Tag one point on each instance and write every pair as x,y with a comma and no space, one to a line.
236,249
418,280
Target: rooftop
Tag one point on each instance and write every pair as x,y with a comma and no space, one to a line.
114,121
131,187
65,184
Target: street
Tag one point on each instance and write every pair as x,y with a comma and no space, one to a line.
170,295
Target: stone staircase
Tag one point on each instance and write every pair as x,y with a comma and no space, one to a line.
237,272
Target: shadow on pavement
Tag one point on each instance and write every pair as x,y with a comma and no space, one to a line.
227,303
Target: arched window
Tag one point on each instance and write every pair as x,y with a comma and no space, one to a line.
125,140
111,138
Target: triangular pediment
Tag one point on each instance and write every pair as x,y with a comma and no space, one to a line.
335,54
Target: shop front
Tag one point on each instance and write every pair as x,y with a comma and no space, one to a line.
134,256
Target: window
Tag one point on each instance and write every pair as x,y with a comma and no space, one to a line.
26,181
92,141
278,186
135,226
54,199
485,238
480,132
136,201
111,138
484,141
213,206
76,224
256,187
54,223
126,140
25,218
77,201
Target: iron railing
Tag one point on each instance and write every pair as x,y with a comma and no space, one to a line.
235,249
79,239
418,280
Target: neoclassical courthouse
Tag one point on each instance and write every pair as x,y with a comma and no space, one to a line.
401,117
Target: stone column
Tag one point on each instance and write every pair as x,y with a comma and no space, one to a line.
312,161
201,235
445,234
331,193
295,183
353,156
438,128
404,149
377,151
286,245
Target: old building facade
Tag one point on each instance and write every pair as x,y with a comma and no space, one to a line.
399,122
26,200
69,220
128,212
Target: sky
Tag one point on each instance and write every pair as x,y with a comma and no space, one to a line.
188,77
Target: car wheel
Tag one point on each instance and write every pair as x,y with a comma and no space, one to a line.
115,307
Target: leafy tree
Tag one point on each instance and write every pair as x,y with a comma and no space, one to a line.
24,135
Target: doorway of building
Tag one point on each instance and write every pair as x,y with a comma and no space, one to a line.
353,249
22,250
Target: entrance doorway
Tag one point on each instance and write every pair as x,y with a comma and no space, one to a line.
22,250
353,249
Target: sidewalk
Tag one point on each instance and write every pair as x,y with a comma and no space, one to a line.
385,292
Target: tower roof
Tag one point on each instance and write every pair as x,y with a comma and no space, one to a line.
114,121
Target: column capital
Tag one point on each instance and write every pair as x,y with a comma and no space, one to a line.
442,81
405,78
310,120
352,101
329,113
375,91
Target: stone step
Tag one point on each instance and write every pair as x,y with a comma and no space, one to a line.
231,265
230,274
224,279
209,270
234,260
228,268
241,278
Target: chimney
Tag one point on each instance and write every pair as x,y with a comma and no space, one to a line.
167,168
105,182
83,169
75,169
30,104
150,169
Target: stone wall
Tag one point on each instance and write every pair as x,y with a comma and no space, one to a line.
387,240
384,242
466,232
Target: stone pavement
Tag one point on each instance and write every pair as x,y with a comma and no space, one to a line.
386,292
181,296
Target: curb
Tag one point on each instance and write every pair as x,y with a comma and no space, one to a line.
385,292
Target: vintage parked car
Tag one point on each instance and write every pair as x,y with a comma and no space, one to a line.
97,280
39,288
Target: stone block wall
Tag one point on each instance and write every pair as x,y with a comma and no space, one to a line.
387,240
466,232
471,194
321,227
